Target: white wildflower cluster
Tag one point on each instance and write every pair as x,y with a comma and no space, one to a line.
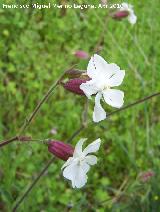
103,77
101,82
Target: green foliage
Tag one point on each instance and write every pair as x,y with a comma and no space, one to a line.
36,46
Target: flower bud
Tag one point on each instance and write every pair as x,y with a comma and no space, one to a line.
120,15
146,176
73,85
81,54
73,73
60,149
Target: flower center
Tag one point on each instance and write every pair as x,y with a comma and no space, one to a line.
80,160
101,86
106,87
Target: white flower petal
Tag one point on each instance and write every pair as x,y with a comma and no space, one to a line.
80,178
124,6
116,77
88,88
93,147
97,65
91,70
76,167
132,18
68,162
114,97
99,114
91,159
112,68
78,147
77,174
69,171
85,166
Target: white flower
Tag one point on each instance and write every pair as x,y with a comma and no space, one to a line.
103,77
132,18
76,167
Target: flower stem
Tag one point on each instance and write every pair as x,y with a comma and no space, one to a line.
20,200
76,133
134,103
37,108
70,139
100,42
16,138
85,113
3,143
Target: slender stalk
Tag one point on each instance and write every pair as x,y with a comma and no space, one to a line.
32,185
118,193
83,124
120,49
100,42
134,103
75,134
18,203
3,143
70,139
85,113
16,138
37,108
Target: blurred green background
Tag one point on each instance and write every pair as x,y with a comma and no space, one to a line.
36,46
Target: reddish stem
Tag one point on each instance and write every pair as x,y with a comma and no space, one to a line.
3,143
16,138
